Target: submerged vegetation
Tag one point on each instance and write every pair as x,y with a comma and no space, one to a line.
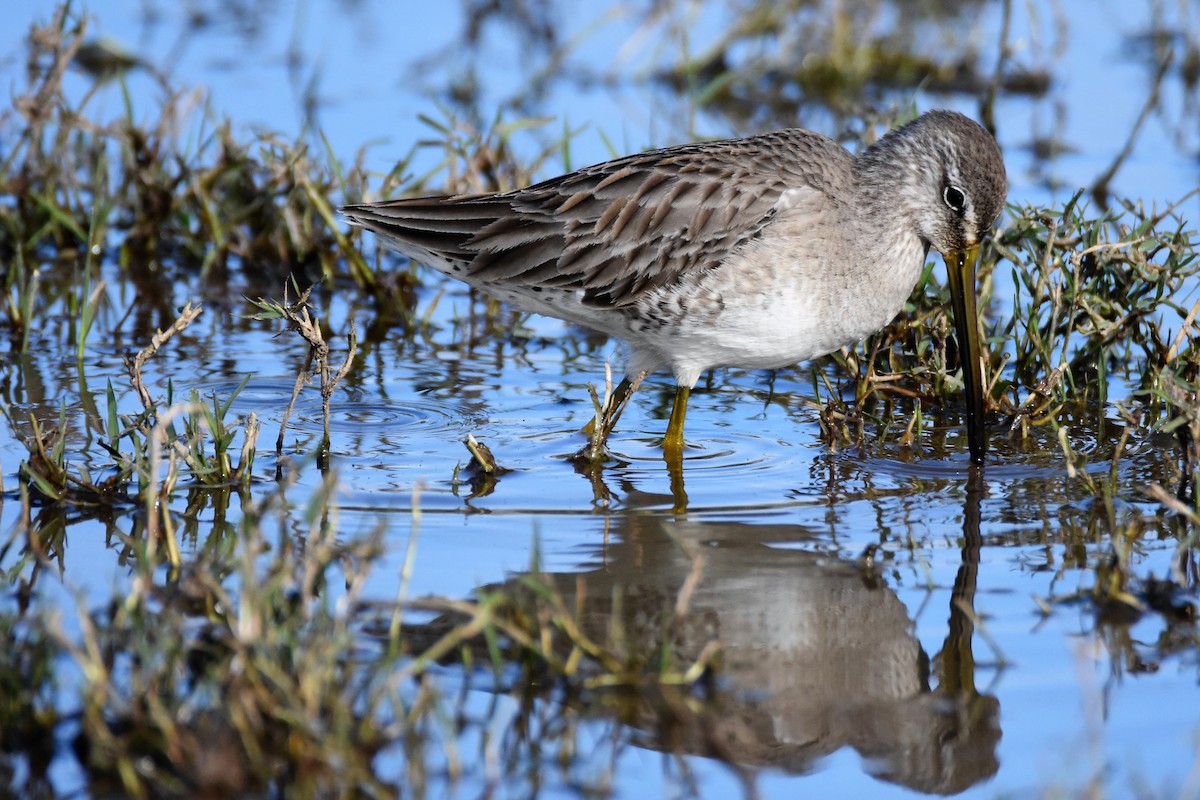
242,650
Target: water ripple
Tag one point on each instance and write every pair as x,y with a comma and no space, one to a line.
429,416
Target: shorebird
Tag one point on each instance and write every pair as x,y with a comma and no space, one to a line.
757,252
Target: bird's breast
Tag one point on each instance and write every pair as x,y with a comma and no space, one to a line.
766,313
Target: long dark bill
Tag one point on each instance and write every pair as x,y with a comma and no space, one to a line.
961,268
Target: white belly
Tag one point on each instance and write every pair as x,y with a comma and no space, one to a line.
775,317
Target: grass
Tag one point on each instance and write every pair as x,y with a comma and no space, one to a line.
240,652
238,667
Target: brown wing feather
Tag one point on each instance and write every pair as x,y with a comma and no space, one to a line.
618,229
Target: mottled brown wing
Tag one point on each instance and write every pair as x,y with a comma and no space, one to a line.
618,229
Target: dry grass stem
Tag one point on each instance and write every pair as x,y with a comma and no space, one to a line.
186,316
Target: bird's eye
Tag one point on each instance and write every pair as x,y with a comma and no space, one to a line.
955,200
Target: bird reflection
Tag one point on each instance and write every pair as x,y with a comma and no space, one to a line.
817,653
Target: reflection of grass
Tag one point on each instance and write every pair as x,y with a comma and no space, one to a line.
238,664
249,667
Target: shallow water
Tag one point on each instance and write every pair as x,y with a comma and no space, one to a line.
892,619
825,653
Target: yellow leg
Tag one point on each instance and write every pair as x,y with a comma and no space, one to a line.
675,471
673,441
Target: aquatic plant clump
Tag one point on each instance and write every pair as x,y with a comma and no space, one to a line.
239,641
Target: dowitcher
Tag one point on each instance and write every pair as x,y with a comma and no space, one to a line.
757,252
